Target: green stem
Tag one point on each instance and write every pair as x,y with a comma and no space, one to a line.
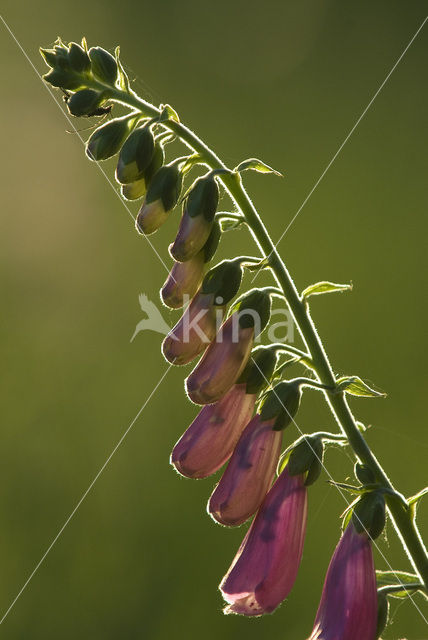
400,513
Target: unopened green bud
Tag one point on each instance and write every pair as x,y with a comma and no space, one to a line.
108,139
281,403
306,457
63,79
62,60
135,155
254,310
78,58
382,613
364,474
203,199
103,64
259,369
223,281
369,514
155,163
84,102
165,186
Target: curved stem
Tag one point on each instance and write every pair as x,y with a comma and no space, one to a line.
399,510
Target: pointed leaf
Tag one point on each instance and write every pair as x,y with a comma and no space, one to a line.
418,496
168,113
254,164
357,387
325,287
384,578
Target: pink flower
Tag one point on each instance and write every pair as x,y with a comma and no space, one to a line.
210,439
194,331
184,279
249,474
266,565
348,606
222,364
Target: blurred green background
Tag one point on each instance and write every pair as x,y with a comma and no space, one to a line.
283,81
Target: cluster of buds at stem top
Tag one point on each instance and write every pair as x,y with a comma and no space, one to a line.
73,67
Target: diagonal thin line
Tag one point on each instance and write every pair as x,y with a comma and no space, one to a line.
347,137
340,490
42,559
78,134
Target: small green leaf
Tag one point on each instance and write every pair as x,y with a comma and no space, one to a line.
390,582
414,499
384,578
168,113
325,287
254,164
357,387
229,225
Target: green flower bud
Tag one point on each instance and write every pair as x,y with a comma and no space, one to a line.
138,189
364,474
281,403
78,58
165,186
135,155
103,64
382,613
108,139
254,309
223,281
259,369
84,102
161,198
369,514
63,79
203,199
307,457
62,61
155,163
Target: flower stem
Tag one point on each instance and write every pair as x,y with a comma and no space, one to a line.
399,510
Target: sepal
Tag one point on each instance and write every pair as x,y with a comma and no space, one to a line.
259,369
223,281
281,404
369,514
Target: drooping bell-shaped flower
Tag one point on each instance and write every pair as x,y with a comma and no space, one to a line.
248,475
209,441
185,278
194,331
227,356
200,321
196,222
266,565
161,198
348,606
222,363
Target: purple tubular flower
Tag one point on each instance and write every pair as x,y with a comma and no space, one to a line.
210,439
184,279
222,363
191,236
266,565
193,332
348,606
249,474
